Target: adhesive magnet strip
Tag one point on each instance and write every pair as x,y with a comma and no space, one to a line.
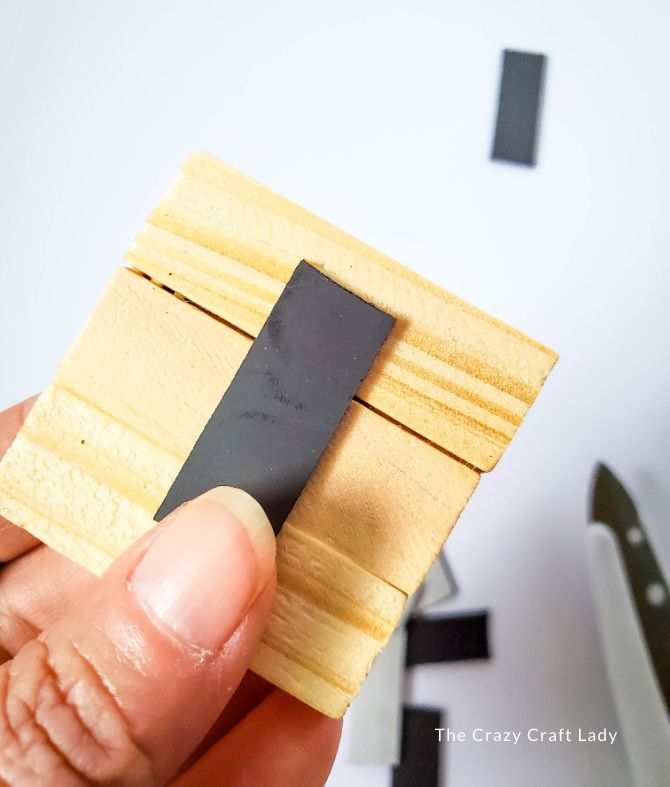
375,714
293,387
438,585
456,637
420,762
519,105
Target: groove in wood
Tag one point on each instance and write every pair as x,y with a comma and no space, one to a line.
107,437
449,372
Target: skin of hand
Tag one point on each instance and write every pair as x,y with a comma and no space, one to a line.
140,677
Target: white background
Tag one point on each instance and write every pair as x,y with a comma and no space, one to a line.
378,116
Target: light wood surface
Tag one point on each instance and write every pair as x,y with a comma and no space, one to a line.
106,439
449,372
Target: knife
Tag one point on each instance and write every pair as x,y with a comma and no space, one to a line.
632,616
612,506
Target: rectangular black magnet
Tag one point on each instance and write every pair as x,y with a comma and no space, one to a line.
519,106
287,398
456,637
419,764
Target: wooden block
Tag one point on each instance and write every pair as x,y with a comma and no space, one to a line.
449,372
106,439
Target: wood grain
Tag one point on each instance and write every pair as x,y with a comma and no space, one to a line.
449,372
106,439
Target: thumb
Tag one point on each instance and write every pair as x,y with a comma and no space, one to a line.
122,690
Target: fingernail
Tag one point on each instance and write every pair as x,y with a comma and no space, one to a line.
203,572
249,512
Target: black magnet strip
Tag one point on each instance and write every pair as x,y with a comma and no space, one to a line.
519,105
456,637
287,398
419,764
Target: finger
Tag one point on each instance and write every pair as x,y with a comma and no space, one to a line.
282,737
11,420
125,688
36,589
251,692
14,540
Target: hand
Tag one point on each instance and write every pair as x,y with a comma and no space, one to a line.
140,676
